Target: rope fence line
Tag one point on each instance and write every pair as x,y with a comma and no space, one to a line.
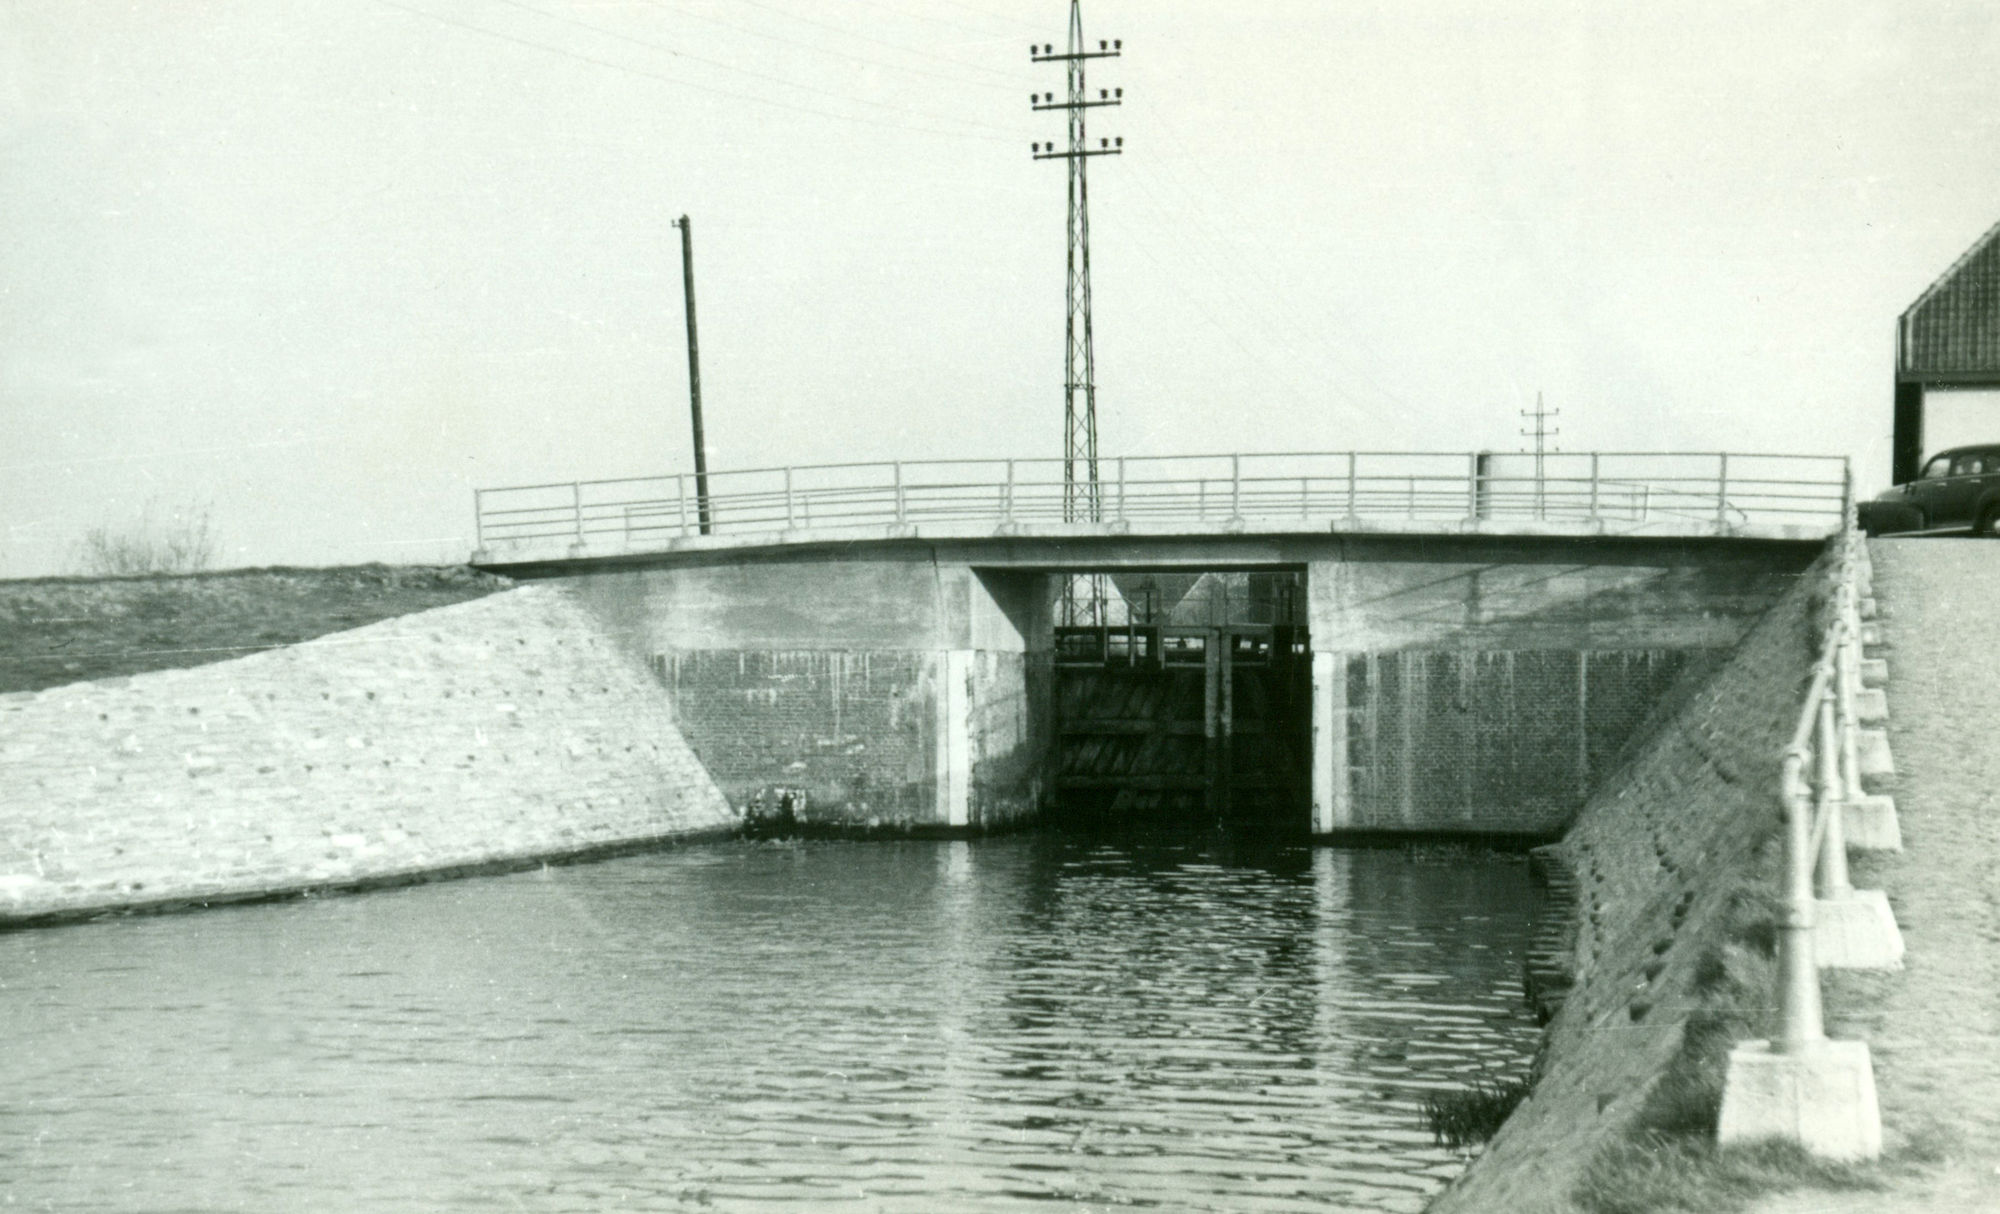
1720,491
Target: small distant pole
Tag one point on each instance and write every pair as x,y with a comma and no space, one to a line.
694,375
1541,434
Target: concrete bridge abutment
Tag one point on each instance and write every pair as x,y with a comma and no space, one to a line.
1460,685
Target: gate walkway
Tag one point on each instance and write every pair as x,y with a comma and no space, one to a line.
1934,1029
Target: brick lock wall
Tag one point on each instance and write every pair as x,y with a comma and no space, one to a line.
488,732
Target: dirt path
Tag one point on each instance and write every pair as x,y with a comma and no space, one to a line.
1934,1029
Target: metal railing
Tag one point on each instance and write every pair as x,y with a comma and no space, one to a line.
1614,490
1821,772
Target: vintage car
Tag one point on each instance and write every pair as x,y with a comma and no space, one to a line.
1957,488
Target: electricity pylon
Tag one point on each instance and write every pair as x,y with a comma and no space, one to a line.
1084,601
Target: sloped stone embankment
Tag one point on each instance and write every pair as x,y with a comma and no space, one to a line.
486,733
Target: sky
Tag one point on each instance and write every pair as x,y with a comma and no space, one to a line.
319,269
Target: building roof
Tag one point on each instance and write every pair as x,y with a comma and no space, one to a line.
1951,334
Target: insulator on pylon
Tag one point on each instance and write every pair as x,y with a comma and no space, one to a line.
1121,141
1116,45
1100,44
1117,92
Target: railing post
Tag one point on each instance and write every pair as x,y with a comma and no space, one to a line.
1122,516
1848,676
681,491
1722,492
1350,485
576,507
900,513
1799,1021
1235,486
1833,881
1413,496
479,519
1007,495
1593,486
1472,486
1305,497
791,518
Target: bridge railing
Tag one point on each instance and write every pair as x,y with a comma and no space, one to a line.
1614,489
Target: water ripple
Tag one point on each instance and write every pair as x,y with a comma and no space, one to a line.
1006,1025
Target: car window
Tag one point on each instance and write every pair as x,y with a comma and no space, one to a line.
1966,465
1941,466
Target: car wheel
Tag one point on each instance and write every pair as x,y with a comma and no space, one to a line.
1989,520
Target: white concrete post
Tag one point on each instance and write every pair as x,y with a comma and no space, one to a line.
479,520
899,490
681,491
1007,495
1235,486
1332,798
576,508
1350,484
1593,486
791,518
954,737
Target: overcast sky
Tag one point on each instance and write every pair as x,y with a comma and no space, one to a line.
324,267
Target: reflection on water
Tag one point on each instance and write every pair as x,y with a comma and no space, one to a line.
918,1026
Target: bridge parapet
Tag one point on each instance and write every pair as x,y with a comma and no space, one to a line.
1583,493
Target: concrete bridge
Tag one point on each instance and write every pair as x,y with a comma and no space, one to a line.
1345,642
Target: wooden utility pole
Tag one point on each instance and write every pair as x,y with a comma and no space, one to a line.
694,375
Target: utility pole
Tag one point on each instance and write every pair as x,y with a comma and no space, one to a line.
1082,500
694,375
1541,434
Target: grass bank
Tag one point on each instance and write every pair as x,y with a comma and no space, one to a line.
69,630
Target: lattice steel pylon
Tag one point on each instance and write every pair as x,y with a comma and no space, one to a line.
1084,601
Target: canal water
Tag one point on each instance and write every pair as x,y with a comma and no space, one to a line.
1035,1022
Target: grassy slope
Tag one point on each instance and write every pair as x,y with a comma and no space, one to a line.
66,630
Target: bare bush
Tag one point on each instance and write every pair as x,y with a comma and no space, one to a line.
177,539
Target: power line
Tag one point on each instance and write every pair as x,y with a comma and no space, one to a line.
675,80
1284,320
742,71
894,46
824,50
